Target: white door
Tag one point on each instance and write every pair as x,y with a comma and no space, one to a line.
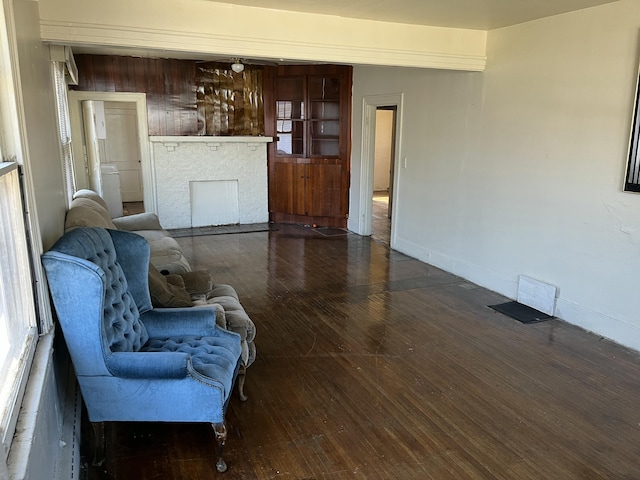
122,147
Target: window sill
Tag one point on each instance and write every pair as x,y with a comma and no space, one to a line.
20,453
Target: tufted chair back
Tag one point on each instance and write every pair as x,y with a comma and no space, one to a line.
90,283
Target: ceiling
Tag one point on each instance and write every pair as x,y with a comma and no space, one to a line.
472,14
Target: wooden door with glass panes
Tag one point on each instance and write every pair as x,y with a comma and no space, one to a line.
308,112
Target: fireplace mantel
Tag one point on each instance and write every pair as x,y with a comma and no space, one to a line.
230,174
170,140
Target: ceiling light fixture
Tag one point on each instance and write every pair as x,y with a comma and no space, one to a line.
237,66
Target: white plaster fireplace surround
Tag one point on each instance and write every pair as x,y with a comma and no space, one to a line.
178,161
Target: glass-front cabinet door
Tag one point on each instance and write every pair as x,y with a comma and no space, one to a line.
308,116
290,116
324,116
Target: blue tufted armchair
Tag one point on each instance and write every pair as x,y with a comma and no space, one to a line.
133,362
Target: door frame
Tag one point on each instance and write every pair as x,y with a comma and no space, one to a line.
370,103
77,139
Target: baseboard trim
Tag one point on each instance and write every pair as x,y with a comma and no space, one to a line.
69,464
616,330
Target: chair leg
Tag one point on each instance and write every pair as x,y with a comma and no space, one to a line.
242,375
220,430
98,443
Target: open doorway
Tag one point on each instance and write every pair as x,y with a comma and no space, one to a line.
384,158
123,144
122,149
364,207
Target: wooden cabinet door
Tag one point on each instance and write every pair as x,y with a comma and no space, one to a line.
287,188
308,112
324,190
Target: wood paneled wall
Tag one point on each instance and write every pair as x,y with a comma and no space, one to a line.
182,99
229,103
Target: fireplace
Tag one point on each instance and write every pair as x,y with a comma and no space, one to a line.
202,181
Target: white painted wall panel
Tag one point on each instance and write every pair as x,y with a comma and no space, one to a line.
518,170
214,203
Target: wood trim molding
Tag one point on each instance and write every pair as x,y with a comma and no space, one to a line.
214,141
182,42
140,99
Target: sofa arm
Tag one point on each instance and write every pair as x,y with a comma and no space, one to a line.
139,221
148,364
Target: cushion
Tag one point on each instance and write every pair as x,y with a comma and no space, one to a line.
166,254
197,282
138,221
85,212
164,294
212,357
175,279
91,195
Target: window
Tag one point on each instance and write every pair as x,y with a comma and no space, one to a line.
18,323
18,331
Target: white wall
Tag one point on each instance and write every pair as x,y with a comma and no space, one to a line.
519,170
42,157
574,77
383,149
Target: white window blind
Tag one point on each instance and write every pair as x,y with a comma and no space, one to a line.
64,128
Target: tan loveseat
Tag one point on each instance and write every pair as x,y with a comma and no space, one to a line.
88,209
172,283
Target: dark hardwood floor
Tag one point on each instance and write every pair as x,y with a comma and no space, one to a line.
380,221
131,208
372,365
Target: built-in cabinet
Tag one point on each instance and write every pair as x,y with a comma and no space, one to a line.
308,113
